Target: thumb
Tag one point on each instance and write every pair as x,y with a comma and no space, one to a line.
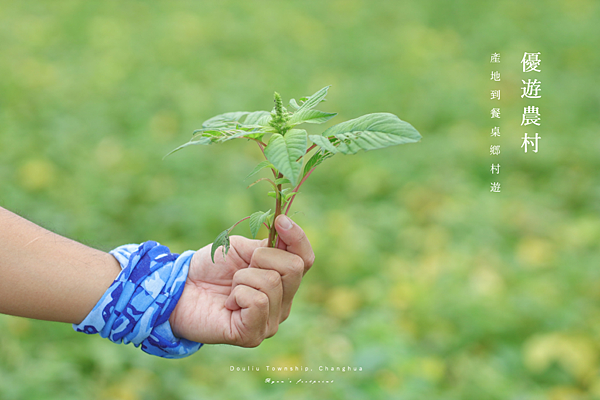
293,239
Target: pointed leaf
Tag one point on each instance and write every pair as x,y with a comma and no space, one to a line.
243,118
199,140
315,99
220,135
256,220
259,118
260,166
316,159
228,134
369,132
221,240
283,152
222,120
310,116
293,104
324,142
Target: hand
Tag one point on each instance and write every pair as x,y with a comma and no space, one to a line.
242,299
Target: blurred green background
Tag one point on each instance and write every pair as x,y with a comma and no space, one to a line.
436,287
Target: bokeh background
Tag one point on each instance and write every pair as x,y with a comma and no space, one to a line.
436,287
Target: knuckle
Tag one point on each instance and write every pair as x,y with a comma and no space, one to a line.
260,251
259,255
248,342
251,343
297,265
261,300
248,339
272,278
273,331
239,274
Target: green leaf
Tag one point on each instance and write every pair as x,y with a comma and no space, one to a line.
224,120
256,220
315,99
293,104
287,196
324,142
272,194
207,136
316,159
257,118
221,240
243,118
228,134
369,132
281,181
260,166
194,141
283,151
310,116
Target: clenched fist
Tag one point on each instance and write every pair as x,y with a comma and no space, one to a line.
242,299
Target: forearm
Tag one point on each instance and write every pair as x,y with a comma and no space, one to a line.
46,276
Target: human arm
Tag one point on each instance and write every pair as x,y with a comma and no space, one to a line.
239,300
47,276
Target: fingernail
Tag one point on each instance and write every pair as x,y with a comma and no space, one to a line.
284,222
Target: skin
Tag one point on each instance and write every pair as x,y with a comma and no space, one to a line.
239,300
242,299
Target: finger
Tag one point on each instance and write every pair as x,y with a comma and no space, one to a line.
289,266
244,247
270,283
295,240
250,323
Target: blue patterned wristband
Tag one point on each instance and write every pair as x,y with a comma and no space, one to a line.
136,307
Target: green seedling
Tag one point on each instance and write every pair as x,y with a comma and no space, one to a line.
290,153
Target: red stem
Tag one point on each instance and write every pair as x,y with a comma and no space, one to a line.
289,204
273,232
261,146
236,224
309,149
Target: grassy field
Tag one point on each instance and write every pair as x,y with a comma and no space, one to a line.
435,287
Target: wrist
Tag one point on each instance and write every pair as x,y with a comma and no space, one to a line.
137,307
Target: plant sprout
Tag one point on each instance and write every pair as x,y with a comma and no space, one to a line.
290,153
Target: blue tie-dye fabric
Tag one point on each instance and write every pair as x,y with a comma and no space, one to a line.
136,307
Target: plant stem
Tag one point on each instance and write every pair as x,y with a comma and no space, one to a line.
237,223
263,179
272,231
261,145
306,152
289,204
